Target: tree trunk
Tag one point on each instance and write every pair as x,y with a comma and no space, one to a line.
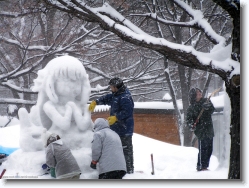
172,92
205,89
233,89
234,95
184,85
185,104
26,96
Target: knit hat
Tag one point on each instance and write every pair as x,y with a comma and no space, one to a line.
53,137
48,137
117,82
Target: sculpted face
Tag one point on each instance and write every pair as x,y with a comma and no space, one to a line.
68,87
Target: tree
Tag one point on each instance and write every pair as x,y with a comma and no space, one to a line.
31,36
183,35
112,20
78,33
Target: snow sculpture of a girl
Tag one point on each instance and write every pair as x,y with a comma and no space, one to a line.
63,92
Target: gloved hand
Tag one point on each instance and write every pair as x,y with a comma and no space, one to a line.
92,106
206,105
112,120
193,128
93,164
45,166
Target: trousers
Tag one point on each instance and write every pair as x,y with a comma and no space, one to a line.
117,174
205,147
128,153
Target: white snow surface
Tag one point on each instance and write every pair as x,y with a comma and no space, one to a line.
170,161
167,96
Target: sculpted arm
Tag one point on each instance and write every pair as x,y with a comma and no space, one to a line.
59,120
82,121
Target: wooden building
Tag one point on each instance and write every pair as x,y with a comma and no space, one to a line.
159,124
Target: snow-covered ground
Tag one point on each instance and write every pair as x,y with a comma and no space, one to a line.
171,162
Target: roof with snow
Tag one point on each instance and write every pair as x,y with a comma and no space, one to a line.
218,102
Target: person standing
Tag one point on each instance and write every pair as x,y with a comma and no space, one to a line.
107,151
59,157
203,130
121,116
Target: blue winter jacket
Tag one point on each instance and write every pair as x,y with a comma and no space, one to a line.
122,106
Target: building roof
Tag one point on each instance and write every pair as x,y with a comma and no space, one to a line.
218,102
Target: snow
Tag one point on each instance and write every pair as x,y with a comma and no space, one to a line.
98,88
9,136
12,108
167,96
129,29
156,105
4,120
101,108
63,92
218,102
114,14
170,161
59,110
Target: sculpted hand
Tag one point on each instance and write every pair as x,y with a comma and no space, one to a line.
112,120
71,105
92,106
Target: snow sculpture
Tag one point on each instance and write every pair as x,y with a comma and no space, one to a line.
31,136
63,92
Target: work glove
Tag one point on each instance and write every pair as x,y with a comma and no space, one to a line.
45,166
206,105
93,164
92,106
112,120
193,128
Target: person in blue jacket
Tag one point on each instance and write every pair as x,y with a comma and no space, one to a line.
121,116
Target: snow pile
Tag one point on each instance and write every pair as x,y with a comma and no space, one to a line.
4,120
167,97
101,108
170,161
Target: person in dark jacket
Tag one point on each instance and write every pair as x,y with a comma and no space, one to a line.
203,130
59,156
107,151
121,116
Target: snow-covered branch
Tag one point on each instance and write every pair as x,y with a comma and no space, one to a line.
111,20
16,88
16,101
